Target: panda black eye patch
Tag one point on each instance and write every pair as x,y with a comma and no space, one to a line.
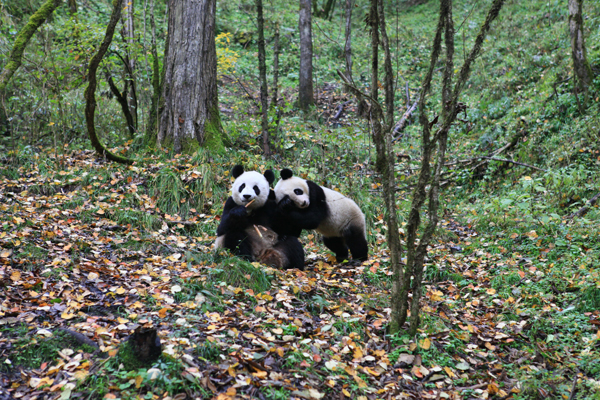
242,186
298,191
256,190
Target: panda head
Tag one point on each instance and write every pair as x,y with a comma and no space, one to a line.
250,186
294,187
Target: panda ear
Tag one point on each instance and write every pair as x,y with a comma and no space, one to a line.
286,173
270,176
237,171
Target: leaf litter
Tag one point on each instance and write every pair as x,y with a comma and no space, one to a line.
66,262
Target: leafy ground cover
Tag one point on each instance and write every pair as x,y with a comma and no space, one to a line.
86,246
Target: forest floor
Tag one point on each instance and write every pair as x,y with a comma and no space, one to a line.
86,248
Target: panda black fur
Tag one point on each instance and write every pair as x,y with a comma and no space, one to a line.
253,203
303,204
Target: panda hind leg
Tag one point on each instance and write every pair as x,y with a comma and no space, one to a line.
357,242
338,246
293,250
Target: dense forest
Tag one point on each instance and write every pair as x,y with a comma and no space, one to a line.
466,132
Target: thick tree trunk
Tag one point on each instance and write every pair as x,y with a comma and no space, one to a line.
581,67
191,111
23,37
262,71
305,95
89,94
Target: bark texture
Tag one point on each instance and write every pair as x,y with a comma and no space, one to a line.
348,42
151,130
276,51
581,67
191,112
23,37
262,72
90,91
305,95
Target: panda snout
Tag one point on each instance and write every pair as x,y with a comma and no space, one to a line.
247,196
304,204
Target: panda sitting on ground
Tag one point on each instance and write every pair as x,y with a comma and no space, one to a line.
247,215
303,204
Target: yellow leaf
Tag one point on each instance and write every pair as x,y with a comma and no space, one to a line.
66,315
449,372
425,344
346,393
15,275
358,353
138,381
163,312
361,383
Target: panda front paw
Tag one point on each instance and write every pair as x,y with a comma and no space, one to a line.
239,212
286,203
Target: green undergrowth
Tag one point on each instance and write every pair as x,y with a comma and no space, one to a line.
30,349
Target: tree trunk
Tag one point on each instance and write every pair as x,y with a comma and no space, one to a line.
190,116
305,92
89,94
23,37
348,44
128,34
262,71
275,67
151,130
581,67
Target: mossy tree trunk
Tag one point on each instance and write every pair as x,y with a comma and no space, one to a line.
581,67
190,116
90,91
23,37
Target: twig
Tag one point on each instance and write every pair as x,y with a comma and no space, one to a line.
583,210
573,388
515,162
246,90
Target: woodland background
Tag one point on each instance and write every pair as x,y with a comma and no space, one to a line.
92,250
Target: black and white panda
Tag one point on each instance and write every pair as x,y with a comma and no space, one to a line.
303,204
252,203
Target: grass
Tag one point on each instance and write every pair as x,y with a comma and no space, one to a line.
31,350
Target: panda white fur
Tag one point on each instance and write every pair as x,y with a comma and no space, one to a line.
252,203
302,204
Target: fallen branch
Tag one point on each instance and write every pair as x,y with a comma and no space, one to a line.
339,110
583,210
402,123
515,162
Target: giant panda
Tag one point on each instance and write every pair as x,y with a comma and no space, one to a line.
303,204
253,203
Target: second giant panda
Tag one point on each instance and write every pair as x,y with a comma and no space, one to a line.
252,204
303,204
